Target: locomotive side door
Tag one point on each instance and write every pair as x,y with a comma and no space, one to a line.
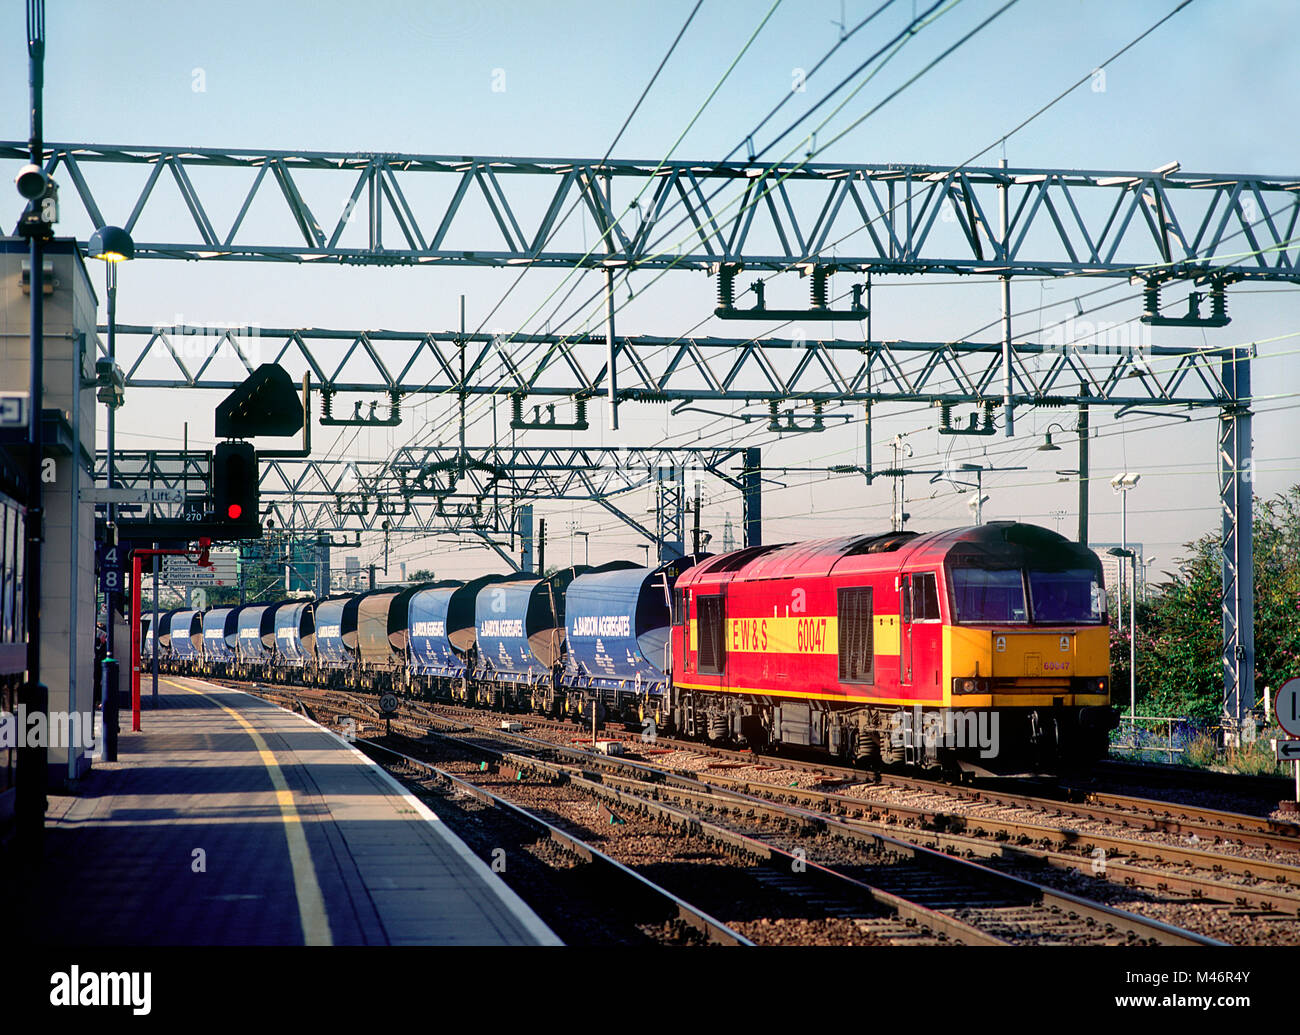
905,642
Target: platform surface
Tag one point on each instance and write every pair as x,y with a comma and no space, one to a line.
230,821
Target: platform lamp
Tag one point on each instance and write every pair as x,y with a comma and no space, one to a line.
111,245
1048,446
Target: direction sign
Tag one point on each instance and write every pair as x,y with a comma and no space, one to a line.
147,494
183,571
1287,750
1287,707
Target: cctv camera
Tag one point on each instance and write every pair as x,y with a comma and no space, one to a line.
31,181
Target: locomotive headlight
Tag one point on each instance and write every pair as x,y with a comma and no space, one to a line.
969,685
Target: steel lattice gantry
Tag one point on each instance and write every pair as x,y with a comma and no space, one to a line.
416,209
1236,477
682,369
436,490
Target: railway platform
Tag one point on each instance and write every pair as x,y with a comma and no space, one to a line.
229,821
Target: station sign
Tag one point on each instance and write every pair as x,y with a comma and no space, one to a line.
110,564
145,495
183,571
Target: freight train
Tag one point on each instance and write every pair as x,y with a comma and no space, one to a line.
984,649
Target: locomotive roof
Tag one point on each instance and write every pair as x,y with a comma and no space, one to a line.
999,541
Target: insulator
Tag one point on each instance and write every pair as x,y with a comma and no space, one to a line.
945,415
726,287
1219,303
820,276
1151,298
327,403
582,411
516,409
395,404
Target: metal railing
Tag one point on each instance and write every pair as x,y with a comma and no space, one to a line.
1159,734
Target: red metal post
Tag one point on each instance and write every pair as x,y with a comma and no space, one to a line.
136,555
135,641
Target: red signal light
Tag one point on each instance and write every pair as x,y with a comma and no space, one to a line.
234,511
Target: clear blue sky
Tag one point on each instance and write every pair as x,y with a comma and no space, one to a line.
1214,89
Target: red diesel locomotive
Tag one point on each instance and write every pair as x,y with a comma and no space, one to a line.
983,648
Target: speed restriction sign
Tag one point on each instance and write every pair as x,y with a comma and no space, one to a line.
1287,707
388,704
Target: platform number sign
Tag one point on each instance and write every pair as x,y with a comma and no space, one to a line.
110,570
1288,707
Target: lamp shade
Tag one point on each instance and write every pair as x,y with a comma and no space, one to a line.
112,244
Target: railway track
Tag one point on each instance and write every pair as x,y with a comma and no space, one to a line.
1260,889
1200,825
966,901
1250,889
1196,823
645,902
923,888
730,872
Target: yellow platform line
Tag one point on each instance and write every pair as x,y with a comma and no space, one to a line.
311,903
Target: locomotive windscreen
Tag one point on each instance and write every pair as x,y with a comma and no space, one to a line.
1013,573
981,595
1072,596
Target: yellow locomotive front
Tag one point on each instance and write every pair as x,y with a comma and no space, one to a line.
1029,641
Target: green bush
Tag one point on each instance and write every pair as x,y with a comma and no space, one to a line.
1180,631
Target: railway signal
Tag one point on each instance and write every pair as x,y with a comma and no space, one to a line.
1287,707
234,489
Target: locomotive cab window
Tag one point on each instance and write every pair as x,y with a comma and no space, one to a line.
855,634
710,619
1073,596
925,597
988,595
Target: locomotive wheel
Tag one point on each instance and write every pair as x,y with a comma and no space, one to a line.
867,749
891,753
